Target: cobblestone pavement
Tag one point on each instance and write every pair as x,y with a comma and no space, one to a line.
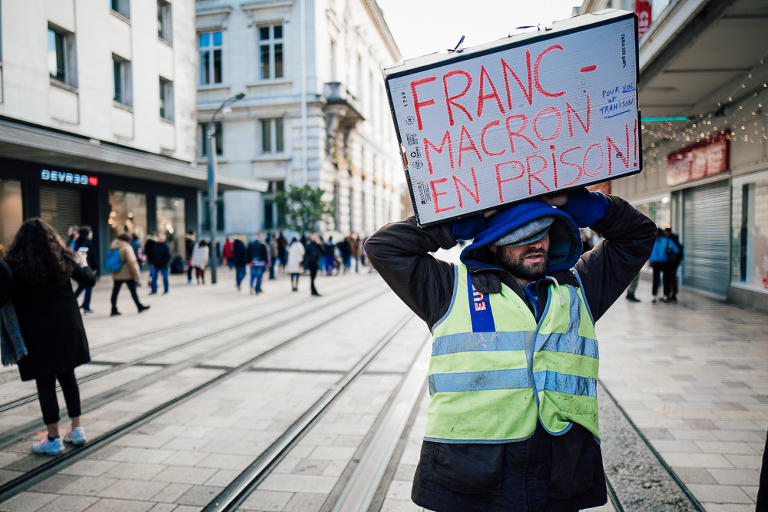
691,376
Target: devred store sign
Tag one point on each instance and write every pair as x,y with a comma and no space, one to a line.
519,118
68,177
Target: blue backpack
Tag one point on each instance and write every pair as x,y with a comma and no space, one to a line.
113,263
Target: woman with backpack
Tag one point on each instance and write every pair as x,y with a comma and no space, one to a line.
122,263
36,280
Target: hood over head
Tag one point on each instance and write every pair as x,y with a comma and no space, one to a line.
525,223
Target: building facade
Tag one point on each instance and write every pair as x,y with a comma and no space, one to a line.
97,117
702,92
315,109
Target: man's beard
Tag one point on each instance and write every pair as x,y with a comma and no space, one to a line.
518,267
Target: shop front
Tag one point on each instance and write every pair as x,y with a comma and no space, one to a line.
110,204
749,238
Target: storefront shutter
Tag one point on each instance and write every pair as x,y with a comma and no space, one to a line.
60,207
706,214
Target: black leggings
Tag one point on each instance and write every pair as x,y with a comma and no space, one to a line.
46,393
116,289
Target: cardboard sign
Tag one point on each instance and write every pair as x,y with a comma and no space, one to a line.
519,118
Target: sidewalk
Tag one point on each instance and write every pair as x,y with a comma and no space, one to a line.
693,376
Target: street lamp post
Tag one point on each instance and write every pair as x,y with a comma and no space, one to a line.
212,192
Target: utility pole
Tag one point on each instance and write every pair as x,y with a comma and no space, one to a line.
212,189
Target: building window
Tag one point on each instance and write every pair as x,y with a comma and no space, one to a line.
271,52
204,139
333,61
164,31
121,7
61,56
210,58
121,72
272,135
166,99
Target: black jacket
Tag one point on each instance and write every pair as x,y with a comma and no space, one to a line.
544,467
257,251
312,254
160,256
83,241
50,323
239,253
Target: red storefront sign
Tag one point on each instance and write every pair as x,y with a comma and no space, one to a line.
699,160
644,18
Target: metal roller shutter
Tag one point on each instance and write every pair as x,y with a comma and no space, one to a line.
706,215
60,207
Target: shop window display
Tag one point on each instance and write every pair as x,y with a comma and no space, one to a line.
128,214
11,214
170,220
749,259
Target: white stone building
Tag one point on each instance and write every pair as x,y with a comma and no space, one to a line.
344,143
97,117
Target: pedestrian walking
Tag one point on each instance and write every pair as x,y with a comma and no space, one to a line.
83,246
328,254
272,249
189,248
674,264
226,253
295,259
345,251
664,254
258,256
122,259
160,259
148,246
513,415
73,232
199,260
36,280
138,250
239,259
356,248
282,251
313,251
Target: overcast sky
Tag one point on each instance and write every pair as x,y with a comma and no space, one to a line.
426,26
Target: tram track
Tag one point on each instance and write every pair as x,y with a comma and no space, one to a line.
662,496
47,469
121,366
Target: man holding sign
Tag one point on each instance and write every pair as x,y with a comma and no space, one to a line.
513,415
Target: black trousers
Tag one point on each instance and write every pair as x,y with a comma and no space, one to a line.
662,270
46,394
116,289
312,276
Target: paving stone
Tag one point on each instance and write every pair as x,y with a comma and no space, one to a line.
27,502
187,508
222,478
7,476
185,459
694,475
69,504
724,447
267,501
219,461
200,495
298,483
744,461
142,441
333,453
132,490
399,490
88,485
171,493
391,505
719,493
311,467
405,472
185,475
133,471
111,505
302,502
54,483
163,507
736,476
141,455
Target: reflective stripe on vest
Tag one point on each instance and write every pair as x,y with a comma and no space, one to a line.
495,372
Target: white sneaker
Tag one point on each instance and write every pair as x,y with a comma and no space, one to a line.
47,447
75,436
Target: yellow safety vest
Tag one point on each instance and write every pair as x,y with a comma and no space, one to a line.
495,371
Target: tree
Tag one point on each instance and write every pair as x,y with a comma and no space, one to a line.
303,208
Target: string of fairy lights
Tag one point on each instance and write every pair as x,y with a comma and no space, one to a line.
740,123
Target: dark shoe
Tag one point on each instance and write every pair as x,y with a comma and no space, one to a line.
672,299
315,294
143,308
115,312
632,298
153,293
